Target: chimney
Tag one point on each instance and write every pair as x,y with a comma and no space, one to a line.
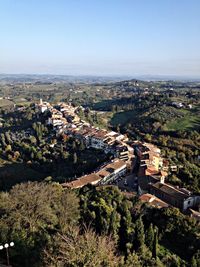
162,178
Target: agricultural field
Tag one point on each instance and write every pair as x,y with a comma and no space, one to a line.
6,103
190,121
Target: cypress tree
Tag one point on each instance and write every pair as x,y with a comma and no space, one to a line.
125,229
75,159
150,237
139,231
155,243
82,145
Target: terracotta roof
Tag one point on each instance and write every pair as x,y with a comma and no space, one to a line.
111,167
100,134
80,182
151,170
145,197
153,201
103,173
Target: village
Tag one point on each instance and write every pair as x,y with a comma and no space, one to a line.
136,168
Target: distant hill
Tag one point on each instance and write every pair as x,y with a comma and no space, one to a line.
45,78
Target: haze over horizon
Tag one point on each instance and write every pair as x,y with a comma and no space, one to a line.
100,37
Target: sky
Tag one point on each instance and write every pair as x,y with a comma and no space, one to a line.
100,37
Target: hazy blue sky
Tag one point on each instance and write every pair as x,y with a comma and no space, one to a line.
104,37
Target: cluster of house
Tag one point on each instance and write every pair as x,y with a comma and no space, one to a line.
60,115
65,121
181,105
108,141
150,159
151,181
144,158
106,174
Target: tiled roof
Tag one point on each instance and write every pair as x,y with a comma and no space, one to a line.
153,201
87,179
110,168
170,190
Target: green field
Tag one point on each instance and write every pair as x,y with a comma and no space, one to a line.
190,121
5,103
172,119
186,123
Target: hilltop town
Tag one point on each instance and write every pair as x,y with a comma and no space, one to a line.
139,165
100,133
99,157
119,157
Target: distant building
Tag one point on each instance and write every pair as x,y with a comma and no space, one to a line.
177,104
43,106
177,197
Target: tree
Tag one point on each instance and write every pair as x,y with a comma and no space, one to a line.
139,234
37,210
82,145
61,149
8,139
150,237
68,210
3,140
114,224
74,145
155,243
148,137
132,260
75,159
126,229
8,148
195,262
76,249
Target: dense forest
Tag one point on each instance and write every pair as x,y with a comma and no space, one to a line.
93,227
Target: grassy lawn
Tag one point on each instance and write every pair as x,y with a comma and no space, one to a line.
187,122
21,101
